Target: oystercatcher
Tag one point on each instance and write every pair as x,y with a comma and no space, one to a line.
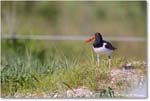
101,46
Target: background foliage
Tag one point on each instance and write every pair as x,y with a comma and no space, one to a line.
41,65
122,18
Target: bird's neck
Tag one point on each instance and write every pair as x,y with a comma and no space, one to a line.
98,43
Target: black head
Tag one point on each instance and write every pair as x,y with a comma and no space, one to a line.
98,40
98,36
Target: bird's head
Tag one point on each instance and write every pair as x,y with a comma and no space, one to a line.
96,36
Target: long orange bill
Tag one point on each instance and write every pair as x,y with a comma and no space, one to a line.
90,39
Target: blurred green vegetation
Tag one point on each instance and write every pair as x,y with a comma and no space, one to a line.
44,65
30,67
115,18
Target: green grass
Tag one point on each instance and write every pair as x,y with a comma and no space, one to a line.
50,66
36,68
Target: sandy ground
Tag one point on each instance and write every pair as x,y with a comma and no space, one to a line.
130,83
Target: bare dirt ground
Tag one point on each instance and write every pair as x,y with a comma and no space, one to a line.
124,82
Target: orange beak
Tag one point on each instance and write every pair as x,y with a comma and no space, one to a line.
90,39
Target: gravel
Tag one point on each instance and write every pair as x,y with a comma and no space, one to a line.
125,83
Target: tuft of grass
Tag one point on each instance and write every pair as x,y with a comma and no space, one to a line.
54,70
29,73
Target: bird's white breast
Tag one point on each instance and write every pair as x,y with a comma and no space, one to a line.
102,50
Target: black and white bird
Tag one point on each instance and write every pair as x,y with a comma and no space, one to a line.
101,46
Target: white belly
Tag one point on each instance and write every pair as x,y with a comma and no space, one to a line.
102,50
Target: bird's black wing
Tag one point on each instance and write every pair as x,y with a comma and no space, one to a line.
109,45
